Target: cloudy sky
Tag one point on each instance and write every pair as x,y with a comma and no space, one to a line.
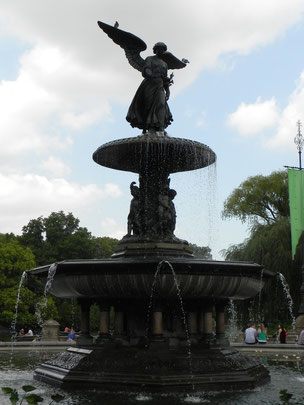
65,88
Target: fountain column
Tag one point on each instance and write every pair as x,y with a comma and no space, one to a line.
220,323
104,322
84,335
192,323
207,335
157,323
119,324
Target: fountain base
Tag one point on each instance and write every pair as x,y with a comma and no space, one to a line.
153,369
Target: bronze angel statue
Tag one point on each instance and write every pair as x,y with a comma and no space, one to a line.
149,109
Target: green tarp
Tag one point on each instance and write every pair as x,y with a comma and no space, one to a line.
296,204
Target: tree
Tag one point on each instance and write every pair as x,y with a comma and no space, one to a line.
202,252
14,260
57,237
262,199
104,247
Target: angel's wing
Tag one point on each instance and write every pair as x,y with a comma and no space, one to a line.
131,44
173,62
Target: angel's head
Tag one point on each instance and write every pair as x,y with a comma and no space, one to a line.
159,48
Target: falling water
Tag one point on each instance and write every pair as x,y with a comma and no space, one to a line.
232,331
151,301
14,321
289,299
212,207
41,305
260,295
179,295
251,310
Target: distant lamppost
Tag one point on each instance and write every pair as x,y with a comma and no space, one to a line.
299,141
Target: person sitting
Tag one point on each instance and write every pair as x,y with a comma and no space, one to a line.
251,334
29,333
262,334
71,335
67,329
301,338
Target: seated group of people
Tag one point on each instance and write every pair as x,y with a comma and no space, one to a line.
254,335
28,333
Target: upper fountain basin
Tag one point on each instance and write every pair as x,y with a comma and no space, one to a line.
171,155
133,278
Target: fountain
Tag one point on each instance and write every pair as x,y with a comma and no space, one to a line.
164,299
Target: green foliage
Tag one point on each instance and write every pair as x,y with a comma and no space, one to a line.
26,308
59,237
57,398
31,399
46,309
14,260
104,247
14,397
263,201
260,199
56,238
286,396
44,241
69,313
202,252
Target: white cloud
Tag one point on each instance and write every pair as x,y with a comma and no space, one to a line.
251,119
56,167
23,197
293,112
110,227
72,70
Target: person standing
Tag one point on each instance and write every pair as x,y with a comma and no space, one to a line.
251,334
282,334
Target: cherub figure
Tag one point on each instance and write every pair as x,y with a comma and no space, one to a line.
149,109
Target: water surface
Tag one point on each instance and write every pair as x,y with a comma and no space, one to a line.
17,369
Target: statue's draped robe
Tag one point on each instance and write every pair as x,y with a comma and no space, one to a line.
149,108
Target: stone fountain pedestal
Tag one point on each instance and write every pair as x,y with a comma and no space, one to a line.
165,301
158,368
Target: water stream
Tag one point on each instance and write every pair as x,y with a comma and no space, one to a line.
14,321
232,331
260,295
41,305
289,299
184,318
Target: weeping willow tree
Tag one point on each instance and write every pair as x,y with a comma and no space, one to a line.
262,202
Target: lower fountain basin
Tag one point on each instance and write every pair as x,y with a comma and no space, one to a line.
134,277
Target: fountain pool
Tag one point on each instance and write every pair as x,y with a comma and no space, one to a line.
18,371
